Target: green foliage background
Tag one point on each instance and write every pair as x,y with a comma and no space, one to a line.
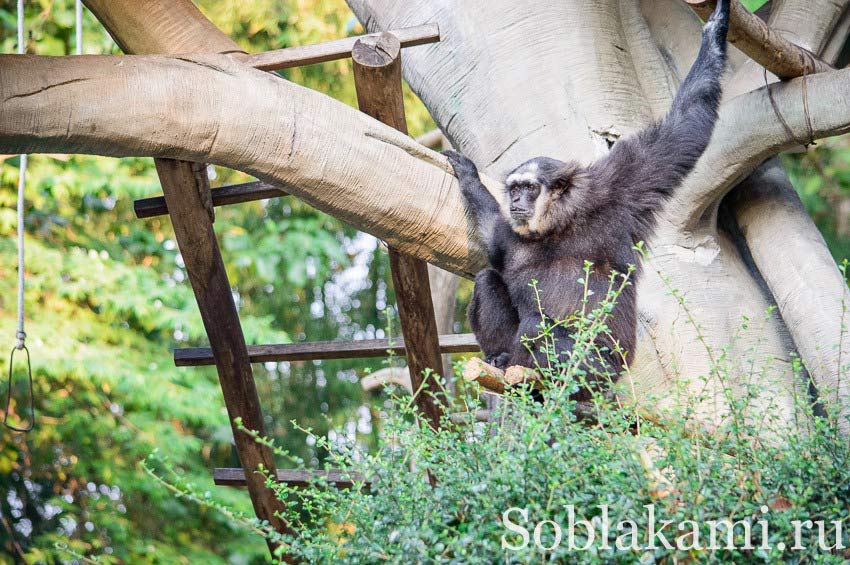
106,302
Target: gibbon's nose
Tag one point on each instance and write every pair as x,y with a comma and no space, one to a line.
520,203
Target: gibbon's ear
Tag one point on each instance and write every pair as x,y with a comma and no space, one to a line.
565,177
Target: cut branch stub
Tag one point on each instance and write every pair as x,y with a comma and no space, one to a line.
336,49
498,381
763,45
475,370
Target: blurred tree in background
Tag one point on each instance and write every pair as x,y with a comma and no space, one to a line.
107,299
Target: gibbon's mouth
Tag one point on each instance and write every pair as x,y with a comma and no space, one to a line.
520,215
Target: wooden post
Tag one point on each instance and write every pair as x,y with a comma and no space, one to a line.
377,77
184,189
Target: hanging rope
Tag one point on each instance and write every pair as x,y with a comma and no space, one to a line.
788,131
20,334
78,20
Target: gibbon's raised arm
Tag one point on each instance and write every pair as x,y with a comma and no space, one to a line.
654,161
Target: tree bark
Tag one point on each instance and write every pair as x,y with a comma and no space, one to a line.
192,108
156,26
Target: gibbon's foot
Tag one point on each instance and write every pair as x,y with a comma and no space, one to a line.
499,361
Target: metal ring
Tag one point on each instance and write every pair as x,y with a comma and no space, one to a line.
9,393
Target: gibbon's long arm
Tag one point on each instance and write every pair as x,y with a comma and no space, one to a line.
652,163
484,208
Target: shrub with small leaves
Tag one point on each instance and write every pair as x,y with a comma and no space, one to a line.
547,479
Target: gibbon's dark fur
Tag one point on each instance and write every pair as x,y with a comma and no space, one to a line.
556,215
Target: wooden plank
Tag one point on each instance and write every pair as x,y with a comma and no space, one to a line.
235,477
222,196
318,350
336,49
183,185
377,78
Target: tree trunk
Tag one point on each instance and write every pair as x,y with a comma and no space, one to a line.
508,81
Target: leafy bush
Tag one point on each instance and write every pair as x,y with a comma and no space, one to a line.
559,470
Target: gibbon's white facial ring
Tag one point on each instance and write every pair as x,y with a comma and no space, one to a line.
527,177
526,174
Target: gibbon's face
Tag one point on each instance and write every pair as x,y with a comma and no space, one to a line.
530,191
523,192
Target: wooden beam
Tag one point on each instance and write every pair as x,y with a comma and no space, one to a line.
222,196
377,78
336,49
183,185
317,350
765,46
235,477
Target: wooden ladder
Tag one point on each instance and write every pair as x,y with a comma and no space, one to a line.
188,200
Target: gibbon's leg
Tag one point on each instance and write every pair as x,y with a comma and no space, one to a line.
534,351
493,318
599,365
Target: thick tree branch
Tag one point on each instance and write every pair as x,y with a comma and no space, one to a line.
194,108
812,296
656,75
750,131
478,80
160,26
764,45
807,23
676,31
837,39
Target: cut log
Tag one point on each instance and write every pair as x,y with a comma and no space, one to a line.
475,370
498,381
517,374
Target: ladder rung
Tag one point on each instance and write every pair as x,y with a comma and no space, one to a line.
198,356
221,196
235,477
